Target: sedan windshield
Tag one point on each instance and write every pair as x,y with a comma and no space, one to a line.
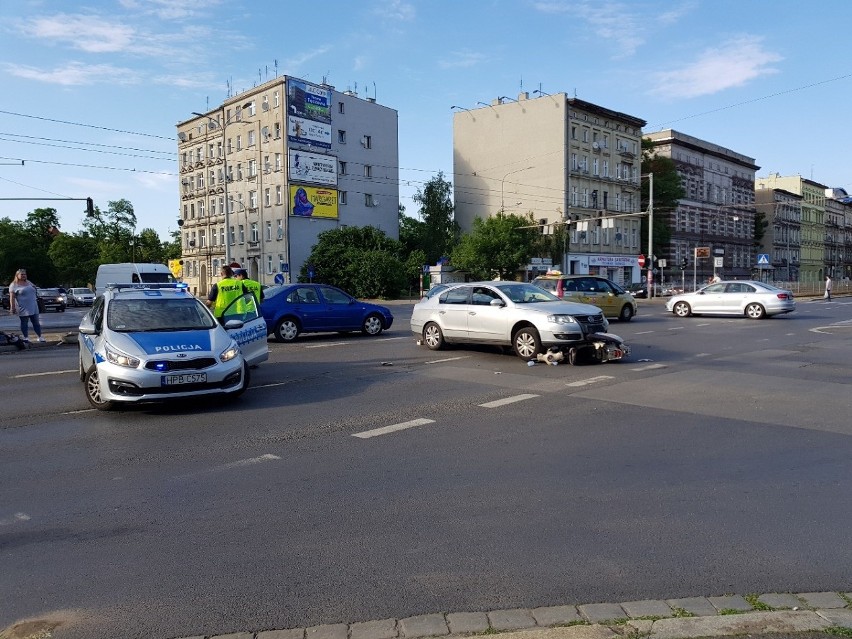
525,293
157,314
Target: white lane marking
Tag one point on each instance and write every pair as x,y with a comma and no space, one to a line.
643,332
325,345
14,519
388,339
650,367
704,324
702,354
676,328
45,373
254,460
76,412
270,385
449,359
507,400
384,430
591,380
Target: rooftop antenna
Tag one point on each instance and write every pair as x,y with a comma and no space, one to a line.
276,67
522,82
228,84
374,90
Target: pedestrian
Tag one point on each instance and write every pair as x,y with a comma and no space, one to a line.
827,294
224,292
23,300
253,286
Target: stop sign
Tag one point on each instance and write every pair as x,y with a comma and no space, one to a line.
641,260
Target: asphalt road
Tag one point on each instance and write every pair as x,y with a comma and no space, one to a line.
715,460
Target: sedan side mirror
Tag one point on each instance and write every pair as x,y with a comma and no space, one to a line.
497,303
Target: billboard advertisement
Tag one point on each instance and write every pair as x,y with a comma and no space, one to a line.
308,101
303,131
310,201
312,167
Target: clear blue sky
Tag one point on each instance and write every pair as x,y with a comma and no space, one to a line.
91,91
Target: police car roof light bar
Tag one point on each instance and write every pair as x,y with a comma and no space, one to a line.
138,286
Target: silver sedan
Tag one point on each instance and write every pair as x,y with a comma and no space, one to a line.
748,298
523,316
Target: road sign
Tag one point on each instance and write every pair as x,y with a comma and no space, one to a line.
279,278
718,262
641,260
763,258
702,252
662,263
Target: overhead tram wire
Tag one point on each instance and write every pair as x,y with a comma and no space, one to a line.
90,126
96,144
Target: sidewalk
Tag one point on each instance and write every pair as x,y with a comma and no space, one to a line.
689,618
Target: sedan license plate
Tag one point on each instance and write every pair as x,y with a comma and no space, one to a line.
186,378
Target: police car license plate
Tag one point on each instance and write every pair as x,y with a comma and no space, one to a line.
187,378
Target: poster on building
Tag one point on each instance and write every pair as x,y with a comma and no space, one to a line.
312,167
310,201
302,131
308,101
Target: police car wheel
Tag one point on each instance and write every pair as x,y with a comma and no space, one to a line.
93,391
287,330
372,325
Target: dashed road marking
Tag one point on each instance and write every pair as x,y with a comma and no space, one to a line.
676,328
591,380
14,519
325,345
251,461
384,430
508,400
22,375
643,332
448,359
650,367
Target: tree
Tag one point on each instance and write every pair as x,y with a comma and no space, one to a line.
440,232
668,191
497,246
113,230
361,260
75,257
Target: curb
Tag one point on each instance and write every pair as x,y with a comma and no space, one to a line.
687,618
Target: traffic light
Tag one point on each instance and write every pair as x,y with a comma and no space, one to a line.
684,263
90,207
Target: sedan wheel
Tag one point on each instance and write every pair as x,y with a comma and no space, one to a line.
681,309
433,337
93,391
287,330
626,313
526,343
372,325
755,311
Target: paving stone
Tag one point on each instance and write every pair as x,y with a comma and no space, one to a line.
290,633
564,632
327,631
596,613
641,627
822,600
378,629
837,617
556,615
730,602
699,606
780,600
235,635
463,622
512,619
786,621
647,608
424,626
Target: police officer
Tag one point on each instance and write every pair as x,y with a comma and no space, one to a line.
252,286
226,291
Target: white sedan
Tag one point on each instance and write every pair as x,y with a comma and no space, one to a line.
523,316
747,298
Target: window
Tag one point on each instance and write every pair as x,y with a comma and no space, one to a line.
250,108
192,211
212,206
269,264
222,236
276,130
212,177
239,142
277,161
341,137
280,232
368,171
269,231
255,235
239,171
252,199
200,181
267,197
267,167
341,108
342,168
213,237
278,196
341,197
242,234
275,100
200,208
368,199
368,141
251,137
252,168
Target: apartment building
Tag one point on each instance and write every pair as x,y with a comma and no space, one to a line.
812,262
566,161
783,236
837,214
268,170
717,212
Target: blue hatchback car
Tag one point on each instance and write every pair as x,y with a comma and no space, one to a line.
292,309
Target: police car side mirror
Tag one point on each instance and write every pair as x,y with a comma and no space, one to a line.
234,323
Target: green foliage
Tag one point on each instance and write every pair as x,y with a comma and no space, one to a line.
496,247
439,233
75,258
363,261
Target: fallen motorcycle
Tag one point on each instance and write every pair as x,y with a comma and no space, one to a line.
597,349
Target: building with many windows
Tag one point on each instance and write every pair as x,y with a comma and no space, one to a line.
562,159
267,171
717,211
782,239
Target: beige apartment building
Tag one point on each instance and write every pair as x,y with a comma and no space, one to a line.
562,159
716,213
268,170
783,237
812,266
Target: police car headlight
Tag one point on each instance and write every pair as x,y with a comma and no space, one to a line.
561,319
229,354
120,359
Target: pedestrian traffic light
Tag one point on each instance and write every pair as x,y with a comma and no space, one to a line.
90,206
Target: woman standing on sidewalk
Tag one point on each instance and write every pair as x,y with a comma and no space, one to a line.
24,301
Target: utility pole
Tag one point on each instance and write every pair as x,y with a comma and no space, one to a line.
650,235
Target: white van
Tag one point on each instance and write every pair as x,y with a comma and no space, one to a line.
131,273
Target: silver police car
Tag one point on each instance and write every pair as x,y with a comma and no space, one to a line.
151,342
